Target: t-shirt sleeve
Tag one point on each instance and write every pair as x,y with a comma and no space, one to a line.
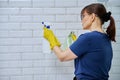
80,46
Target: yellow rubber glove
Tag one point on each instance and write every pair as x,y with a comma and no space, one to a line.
73,36
49,35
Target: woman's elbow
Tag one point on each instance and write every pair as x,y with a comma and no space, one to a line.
61,59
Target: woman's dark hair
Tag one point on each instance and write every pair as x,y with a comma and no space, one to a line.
104,16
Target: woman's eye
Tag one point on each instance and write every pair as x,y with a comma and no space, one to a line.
82,16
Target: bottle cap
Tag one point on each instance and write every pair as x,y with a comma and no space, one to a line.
47,25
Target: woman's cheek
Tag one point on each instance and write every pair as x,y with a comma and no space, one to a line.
86,24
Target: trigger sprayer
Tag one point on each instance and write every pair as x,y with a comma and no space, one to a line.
46,24
45,43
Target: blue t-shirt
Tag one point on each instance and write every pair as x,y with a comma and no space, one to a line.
94,53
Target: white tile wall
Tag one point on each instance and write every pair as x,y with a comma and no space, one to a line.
21,55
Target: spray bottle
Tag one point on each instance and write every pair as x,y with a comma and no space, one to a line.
46,46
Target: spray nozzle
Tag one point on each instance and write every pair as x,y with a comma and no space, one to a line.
46,24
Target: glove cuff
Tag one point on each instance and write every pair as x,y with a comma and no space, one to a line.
54,43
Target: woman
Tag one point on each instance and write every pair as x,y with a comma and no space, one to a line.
92,52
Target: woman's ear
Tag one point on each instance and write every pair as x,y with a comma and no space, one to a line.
93,17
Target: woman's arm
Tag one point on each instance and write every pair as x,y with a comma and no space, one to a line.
64,55
55,46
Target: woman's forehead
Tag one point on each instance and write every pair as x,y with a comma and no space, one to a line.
84,12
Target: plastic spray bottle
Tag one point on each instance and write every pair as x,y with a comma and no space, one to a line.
45,43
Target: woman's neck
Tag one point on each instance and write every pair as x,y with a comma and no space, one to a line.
98,29
96,26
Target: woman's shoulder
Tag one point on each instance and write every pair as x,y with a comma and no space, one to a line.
86,34
92,35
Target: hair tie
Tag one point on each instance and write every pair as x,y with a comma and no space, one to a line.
106,16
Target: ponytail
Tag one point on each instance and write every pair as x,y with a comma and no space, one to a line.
111,30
